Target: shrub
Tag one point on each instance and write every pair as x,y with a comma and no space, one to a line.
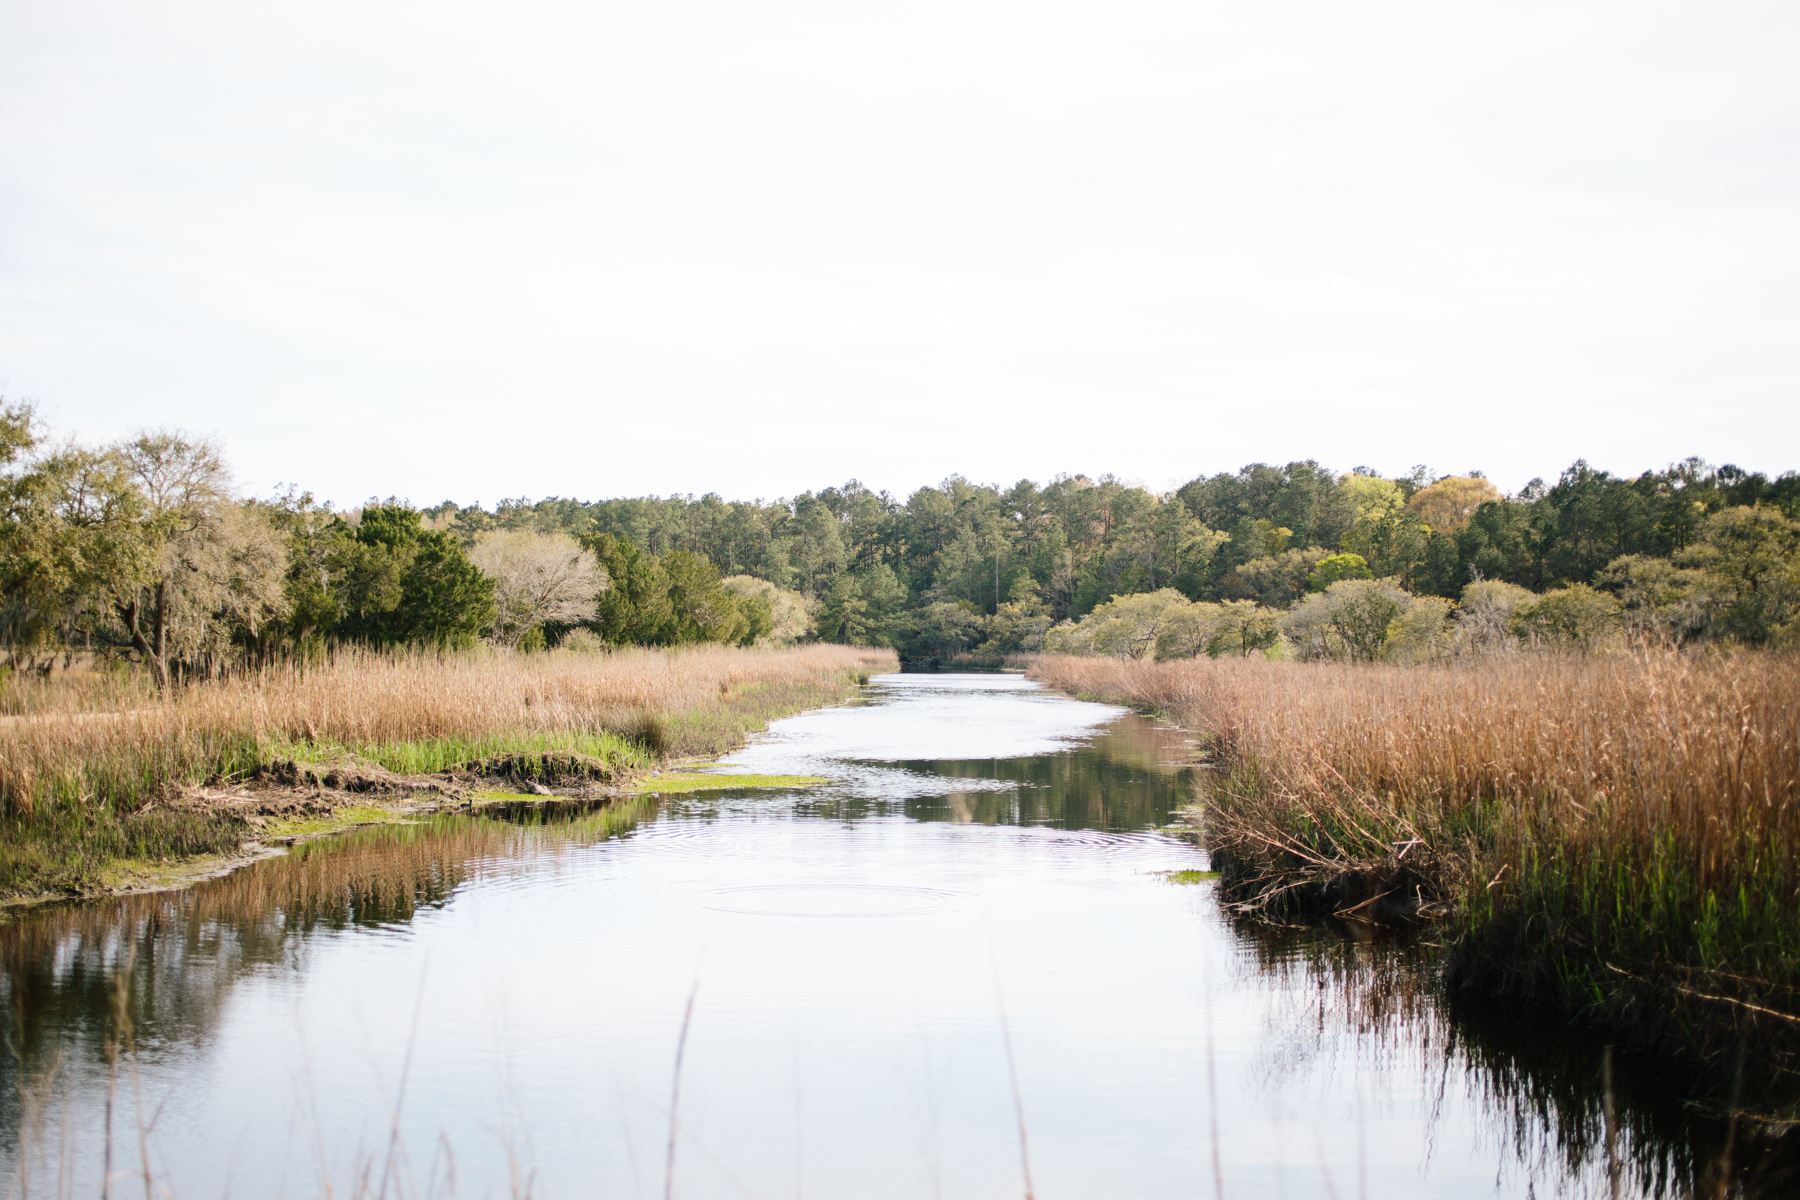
1331,569
1573,618
1348,620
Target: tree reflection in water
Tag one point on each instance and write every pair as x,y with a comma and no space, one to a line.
183,951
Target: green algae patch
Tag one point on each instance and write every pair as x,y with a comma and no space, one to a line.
668,785
1188,876
348,817
479,798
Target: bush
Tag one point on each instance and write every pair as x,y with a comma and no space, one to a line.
1573,618
1336,567
1348,620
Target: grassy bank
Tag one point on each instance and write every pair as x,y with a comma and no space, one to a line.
1618,838
93,766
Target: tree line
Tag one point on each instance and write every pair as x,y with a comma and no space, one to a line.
963,566
141,551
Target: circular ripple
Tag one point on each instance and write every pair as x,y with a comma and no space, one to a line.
828,900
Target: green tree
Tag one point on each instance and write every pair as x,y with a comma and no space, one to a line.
1243,627
776,616
634,610
1750,556
1331,568
209,569
444,599
71,522
1576,617
1349,619
331,576
940,629
844,615
701,608
1659,601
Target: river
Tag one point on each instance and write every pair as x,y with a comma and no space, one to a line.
961,964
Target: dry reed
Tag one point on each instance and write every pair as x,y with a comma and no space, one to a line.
1618,836
415,712
83,760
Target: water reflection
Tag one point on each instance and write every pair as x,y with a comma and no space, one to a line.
157,970
1131,776
550,958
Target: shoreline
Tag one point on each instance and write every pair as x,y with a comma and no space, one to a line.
286,801
1702,1036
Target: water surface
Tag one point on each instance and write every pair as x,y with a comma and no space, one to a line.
959,962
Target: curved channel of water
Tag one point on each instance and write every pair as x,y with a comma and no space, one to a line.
960,962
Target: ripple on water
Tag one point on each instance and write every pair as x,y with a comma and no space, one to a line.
828,900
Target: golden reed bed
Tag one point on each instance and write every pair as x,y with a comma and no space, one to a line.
1620,835
107,740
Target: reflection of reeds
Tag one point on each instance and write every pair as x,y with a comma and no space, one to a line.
1540,1090
1616,835
90,980
185,950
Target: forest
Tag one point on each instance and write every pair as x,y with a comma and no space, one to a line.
143,552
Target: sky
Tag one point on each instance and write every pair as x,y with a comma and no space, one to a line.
439,250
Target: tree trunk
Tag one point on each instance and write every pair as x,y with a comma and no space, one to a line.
153,648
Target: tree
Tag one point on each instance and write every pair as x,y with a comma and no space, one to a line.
1751,560
941,629
208,568
1123,627
1331,568
701,608
1448,505
1484,621
1388,538
1349,619
70,523
1659,601
444,599
1277,580
634,609
843,617
539,579
673,600
788,619
1242,627
1576,617
1187,632
331,575
1423,632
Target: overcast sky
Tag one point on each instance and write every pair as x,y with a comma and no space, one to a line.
475,251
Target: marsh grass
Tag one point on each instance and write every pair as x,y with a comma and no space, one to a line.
1618,837
86,758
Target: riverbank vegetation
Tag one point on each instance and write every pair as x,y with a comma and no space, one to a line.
1615,836
95,764
142,552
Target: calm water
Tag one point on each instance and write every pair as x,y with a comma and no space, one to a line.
493,1006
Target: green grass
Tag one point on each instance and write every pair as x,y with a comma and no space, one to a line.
1188,876
428,756
70,850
